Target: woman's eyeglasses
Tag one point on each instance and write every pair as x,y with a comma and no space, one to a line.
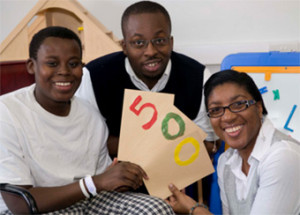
234,108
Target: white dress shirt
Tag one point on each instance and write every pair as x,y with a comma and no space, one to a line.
278,169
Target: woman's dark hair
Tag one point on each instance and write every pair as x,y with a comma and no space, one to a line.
144,7
52,31
232,76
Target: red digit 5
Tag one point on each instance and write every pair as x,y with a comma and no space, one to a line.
137,112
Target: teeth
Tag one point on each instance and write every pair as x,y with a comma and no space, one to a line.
233,129
63,83
152,64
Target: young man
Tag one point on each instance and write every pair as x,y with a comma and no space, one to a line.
49,140
147,63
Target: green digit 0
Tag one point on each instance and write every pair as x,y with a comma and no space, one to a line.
165,127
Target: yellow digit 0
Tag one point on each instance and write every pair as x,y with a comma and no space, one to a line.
193,156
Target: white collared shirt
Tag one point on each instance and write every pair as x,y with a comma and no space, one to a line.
160,85
278,168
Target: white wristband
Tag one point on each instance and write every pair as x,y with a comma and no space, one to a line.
83,190
90,185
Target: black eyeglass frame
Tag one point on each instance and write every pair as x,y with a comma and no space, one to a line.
153,41
247,102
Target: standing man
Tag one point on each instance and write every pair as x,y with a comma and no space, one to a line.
147,63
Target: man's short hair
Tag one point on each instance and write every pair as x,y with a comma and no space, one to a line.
144,7
51,31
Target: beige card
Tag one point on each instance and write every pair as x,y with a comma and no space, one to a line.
163,141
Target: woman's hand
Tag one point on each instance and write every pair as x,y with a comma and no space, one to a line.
180,202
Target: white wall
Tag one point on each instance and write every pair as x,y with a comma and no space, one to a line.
207,30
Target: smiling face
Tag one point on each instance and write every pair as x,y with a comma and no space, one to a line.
238,130
148,63
57,70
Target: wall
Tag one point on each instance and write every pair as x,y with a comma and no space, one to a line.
207,30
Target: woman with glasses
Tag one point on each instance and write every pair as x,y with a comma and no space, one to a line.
259,174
